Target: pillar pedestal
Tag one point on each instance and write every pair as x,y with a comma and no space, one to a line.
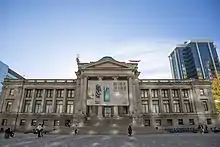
100,115
116,111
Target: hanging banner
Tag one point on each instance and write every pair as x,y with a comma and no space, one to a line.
107,92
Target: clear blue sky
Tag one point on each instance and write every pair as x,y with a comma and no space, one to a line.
40,38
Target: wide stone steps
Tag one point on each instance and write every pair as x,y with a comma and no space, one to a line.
95,122
101,130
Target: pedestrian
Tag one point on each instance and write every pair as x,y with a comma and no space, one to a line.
76,130
7,133
129,130
42,130
39,129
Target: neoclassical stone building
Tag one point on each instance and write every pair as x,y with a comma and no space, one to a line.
106,93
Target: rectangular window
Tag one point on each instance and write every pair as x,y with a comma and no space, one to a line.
4,122
191,122
70,107
185,93
70,93
49,108
164,93
158,122
202,92
49,93
205,105
154,93
39,93
146,122
59,106
166,106
209,121
176,105
9,106
187,106
56,122
155,106
28,93
60,93
180,121
175,93
12,91
169,122
33,122
22,122
144,93
45,122
27,106
145,106
37,106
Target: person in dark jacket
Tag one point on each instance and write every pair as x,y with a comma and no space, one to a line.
129,130
7,133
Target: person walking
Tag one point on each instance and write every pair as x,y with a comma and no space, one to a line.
129,130
39,130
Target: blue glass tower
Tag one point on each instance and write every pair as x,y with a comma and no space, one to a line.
6,72
195,59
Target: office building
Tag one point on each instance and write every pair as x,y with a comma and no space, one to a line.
6,72
195,59
106,96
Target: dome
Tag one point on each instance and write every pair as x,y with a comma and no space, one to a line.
107,58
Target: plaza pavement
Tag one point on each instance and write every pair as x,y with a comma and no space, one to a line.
159,140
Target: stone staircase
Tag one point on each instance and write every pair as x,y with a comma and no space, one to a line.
107,126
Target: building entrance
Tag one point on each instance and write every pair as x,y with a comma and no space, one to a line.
107,111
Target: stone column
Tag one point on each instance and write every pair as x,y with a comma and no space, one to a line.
77,97
183,109
81,95
22,100
54,101
100,115
130,95
84,102
2,99
211,101
171,101
150,101
32,107
160,102
64,100
116,111
43,101
192,105
137,97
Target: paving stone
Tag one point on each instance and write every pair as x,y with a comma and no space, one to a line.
152,140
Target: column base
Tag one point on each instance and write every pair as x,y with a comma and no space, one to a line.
100,117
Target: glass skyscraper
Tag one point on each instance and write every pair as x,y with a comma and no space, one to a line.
195,59
6,72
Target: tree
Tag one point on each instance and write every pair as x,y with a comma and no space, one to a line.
216,92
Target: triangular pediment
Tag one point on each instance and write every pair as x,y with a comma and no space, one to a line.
107,64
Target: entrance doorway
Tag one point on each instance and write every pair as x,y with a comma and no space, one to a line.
107,111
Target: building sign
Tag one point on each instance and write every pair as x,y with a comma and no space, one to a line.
107,93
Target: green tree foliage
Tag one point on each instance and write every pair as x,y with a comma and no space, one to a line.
216,92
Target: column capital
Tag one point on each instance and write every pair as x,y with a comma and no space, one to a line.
130,77
100,78
115,78
84,76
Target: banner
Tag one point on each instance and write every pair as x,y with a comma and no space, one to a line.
107,92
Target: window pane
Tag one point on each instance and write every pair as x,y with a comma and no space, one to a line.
27,105
37,106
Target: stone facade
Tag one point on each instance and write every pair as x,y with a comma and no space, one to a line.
61,103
